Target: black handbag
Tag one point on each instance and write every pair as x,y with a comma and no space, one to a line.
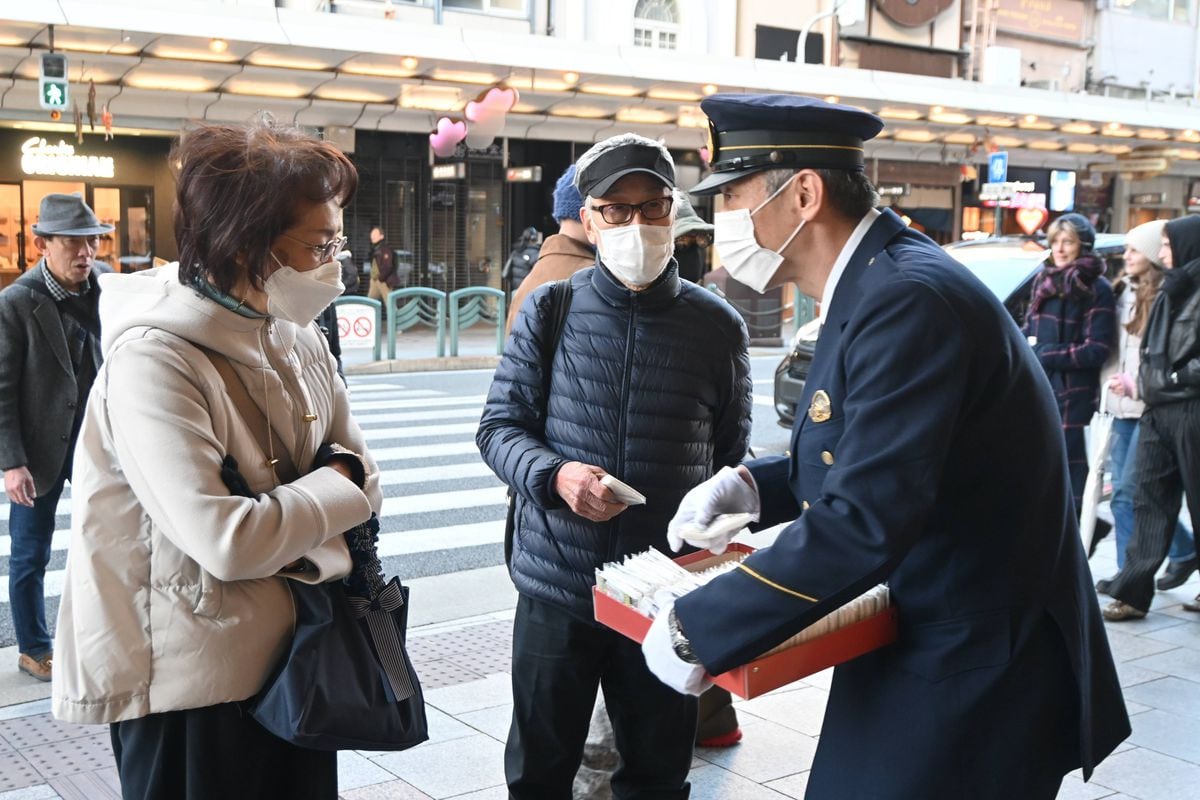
560,304
346,681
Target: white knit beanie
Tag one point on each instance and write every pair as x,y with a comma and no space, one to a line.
1147,240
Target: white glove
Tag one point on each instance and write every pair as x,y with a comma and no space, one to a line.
724,493
669,668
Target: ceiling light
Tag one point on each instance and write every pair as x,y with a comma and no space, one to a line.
1082,147
892,112
991,121
430,98
1157,134
218,45
1007,141
409,63
284,90
350,95
915,135
463,76
1116,149
1030,122
1190,155
581,111
645,116
571,78
959,138
692,117
1080,128
526,108
675,95
611,90
1045,144
170,83
709,89
1115,129
376,70
191,54
1189,136
283,61
943,117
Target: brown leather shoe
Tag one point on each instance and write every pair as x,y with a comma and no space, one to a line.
39,668
1116,611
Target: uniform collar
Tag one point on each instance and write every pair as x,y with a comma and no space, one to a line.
615,293
848,250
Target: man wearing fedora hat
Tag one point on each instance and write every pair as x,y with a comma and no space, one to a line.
49,355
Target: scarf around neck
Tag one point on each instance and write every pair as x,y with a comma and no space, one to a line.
1074,281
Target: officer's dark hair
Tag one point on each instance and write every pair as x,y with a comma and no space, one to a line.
240,186
847,192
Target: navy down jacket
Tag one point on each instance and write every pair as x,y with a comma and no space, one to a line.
653,387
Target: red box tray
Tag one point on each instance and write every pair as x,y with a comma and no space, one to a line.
770,671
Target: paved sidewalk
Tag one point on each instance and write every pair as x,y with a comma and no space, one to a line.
460,643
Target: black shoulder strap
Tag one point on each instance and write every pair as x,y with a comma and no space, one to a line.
560,304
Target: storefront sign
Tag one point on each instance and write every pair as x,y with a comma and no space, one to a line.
523,174
40,158
993,192
1055,19
893,189
449,172
1148,165
1148,199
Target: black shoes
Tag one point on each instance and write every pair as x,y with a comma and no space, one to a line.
1176,575
1103,585
1102,529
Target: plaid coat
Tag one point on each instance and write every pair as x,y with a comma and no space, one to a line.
1072,337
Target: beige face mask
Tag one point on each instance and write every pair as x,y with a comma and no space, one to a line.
300,296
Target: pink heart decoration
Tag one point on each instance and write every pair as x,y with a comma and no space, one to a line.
496,100
447,136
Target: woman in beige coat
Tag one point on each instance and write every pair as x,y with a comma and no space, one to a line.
175,608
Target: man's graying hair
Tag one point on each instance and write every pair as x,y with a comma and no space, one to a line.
612,143
847,192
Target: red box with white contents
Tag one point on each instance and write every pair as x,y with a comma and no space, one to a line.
779,667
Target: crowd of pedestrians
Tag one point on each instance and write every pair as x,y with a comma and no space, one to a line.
199,414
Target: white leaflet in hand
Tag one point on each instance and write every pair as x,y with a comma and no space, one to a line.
722,525
624,492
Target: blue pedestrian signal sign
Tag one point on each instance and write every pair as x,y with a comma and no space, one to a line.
998,167
53,88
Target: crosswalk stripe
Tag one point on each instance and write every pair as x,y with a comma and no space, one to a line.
442,501
416,431
423,402
408,393
425,540
469,412
424,451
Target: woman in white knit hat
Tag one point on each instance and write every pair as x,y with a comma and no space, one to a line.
1135,293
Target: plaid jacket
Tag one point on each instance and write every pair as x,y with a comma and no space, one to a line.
1072,337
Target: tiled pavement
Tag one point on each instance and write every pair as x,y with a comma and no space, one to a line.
463,667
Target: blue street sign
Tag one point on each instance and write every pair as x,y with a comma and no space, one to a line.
998,167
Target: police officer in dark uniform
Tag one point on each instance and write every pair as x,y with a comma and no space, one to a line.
926,454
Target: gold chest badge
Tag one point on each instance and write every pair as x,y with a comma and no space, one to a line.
820,409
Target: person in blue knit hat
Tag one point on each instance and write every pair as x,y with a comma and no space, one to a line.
564,253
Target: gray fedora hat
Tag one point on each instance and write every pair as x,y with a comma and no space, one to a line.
67,215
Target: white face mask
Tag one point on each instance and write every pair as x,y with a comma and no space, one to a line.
637,254
743,257
300,296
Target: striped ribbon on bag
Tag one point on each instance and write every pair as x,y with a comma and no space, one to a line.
378,614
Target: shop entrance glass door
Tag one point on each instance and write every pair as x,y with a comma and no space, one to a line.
10,233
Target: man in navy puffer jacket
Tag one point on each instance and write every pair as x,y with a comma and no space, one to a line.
649,381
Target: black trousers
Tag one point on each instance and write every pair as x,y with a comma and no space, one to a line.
1077,464
1168,466
216,753
558,663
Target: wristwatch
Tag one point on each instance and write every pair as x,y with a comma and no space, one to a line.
679,642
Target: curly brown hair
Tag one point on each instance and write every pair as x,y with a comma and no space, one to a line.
240,186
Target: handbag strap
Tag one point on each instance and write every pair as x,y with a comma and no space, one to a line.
268,440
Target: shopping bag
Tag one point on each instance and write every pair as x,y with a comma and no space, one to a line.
1099,443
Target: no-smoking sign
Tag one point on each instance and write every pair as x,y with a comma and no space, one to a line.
356,325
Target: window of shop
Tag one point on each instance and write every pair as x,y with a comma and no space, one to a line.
512,7
1172,10
656,24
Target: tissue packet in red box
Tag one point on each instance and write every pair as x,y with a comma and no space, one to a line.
782,665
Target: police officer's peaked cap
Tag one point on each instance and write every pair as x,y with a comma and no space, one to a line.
749,133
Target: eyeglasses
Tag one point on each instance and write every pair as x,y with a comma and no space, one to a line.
621,213
322,252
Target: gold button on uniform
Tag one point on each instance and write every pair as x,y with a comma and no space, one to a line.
310,417
827,458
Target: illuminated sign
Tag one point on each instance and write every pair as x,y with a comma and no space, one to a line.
523,174
40,158
1004,191
893,189
449,172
